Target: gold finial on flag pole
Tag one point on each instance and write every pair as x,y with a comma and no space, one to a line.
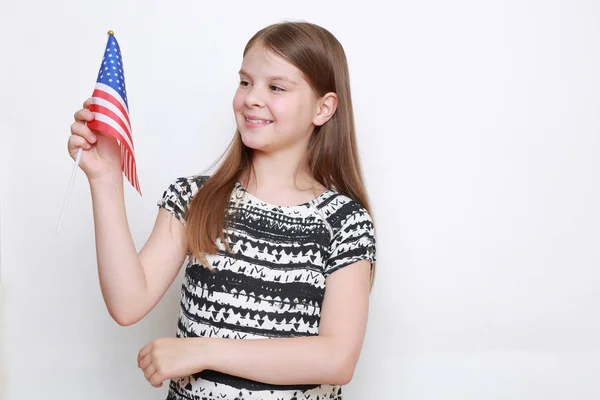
110,33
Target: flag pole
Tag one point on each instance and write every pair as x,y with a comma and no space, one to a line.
62,214
72,180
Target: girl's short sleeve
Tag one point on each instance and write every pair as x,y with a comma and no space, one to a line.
176,198
354,241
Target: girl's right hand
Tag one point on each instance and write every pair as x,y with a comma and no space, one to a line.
101,154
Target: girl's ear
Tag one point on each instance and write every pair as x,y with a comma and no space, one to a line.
326,107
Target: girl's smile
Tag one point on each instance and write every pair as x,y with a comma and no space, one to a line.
256,122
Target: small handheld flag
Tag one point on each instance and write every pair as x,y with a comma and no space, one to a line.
111,112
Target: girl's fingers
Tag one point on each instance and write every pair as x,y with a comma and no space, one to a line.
144,362
144,352
86,104
149,371
155,380
83,115
76,142
79,129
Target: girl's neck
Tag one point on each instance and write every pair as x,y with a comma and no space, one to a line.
279,171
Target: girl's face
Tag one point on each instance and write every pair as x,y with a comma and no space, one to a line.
275,108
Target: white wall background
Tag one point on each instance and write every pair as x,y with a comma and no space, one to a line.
479,134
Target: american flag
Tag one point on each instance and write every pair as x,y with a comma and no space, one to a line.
111,110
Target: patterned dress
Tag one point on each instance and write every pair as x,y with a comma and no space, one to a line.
271,286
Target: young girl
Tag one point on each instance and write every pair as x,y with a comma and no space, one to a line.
280,240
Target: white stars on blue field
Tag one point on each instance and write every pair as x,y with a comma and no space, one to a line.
111,70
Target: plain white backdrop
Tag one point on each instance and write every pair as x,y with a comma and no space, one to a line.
479,135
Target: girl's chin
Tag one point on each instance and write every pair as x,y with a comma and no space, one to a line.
253,142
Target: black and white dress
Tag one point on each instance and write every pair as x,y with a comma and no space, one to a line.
271,286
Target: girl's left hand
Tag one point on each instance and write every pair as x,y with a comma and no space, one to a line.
169,358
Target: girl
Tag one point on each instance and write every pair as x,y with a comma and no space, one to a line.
280,240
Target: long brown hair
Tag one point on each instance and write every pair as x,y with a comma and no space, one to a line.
332,152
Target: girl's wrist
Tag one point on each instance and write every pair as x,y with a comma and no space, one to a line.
204,352
110,179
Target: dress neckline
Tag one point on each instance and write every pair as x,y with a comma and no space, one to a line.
315,200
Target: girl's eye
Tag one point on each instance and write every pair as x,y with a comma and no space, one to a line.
277,89
244,83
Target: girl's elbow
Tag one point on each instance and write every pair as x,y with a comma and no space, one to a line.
126,313
124,318
343,376
125,321
344,370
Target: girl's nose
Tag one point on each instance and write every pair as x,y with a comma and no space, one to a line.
254,98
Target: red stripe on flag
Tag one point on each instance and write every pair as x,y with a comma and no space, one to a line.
133,172
103,110
110,131
103,95
127,156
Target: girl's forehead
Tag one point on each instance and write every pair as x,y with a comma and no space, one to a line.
262,61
